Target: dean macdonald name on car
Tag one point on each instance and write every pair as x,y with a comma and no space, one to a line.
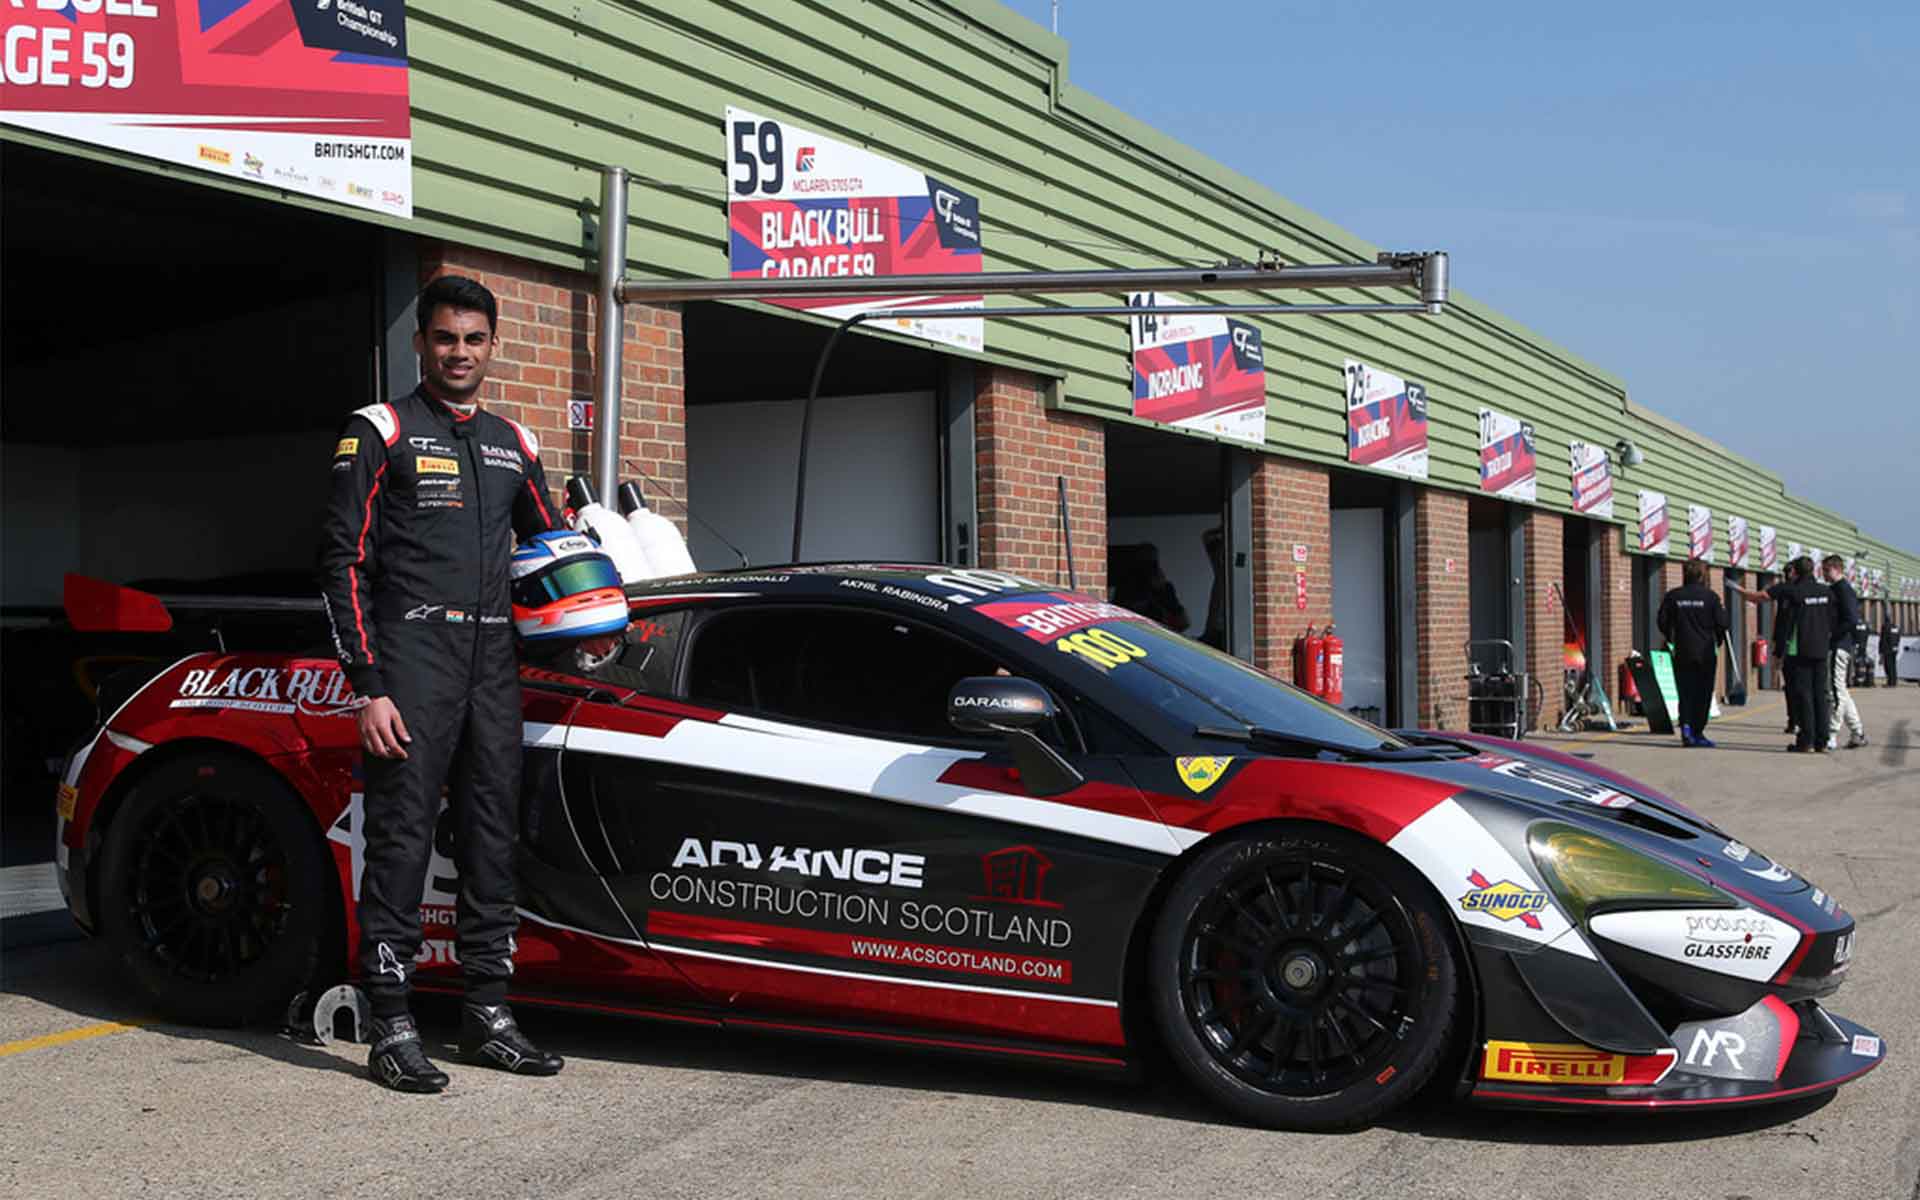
363,150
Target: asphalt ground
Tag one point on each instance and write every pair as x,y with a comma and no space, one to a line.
99,1099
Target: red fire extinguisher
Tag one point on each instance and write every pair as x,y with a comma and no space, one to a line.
1336,674
1761,654
1629,690
1309,661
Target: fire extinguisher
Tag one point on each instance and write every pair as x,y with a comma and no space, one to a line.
1629,690
1309,661
1336,674
1761,654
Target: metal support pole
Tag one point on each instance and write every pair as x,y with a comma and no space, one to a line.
1426,272
609,337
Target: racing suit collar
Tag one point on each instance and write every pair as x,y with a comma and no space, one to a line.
440,408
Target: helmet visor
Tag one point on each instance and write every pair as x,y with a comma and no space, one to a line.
584,574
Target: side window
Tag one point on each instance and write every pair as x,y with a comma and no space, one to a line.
646,661
859,670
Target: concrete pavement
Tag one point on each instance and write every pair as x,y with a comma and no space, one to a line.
91,1108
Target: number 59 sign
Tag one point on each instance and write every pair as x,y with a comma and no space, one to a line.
803,206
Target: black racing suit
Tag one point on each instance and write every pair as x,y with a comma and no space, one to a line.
426,505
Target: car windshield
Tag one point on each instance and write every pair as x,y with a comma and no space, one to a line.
1202,687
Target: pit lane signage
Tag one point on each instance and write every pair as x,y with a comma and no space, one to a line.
1386,421
1769,548
1507,460
1205,372
1700,532
1654,528
802,205
1592,480
310,96
1737,542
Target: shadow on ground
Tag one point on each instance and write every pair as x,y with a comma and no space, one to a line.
81,978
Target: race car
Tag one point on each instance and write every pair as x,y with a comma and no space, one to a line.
954,808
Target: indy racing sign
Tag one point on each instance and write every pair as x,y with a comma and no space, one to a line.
1386,421
1204,371
800,205
1506,456
1737,542
305,95
1653,522
1700,532
1592,480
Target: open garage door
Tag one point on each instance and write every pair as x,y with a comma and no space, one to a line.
890,472
177,360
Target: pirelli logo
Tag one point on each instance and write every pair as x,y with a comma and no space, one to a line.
346,447
1551,1062
428,465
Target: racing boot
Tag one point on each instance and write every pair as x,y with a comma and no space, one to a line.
398,1060
489,1037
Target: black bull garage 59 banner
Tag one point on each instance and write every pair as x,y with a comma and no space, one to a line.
306,95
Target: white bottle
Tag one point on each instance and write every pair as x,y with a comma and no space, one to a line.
614,535
666,550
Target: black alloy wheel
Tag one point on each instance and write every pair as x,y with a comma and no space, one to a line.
208,895
213,890
1304,979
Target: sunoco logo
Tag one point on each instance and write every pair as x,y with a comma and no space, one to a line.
1505,901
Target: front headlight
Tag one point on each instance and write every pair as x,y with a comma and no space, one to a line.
1584,869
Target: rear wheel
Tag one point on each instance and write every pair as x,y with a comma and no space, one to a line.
1304,980
213,890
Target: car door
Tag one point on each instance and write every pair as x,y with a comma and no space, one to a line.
574,939
799,830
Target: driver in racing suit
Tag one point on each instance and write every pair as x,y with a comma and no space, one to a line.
428,495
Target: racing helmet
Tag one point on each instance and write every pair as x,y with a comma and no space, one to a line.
565,587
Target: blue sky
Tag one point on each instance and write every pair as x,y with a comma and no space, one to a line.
1719,203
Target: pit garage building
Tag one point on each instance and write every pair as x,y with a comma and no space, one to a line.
181,341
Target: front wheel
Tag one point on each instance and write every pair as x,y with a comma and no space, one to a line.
1304,979
213,890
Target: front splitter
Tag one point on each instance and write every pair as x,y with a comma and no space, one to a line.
1821,1061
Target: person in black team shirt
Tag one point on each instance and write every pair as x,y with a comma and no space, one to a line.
1693,621
1803,632
1849,629
1889,645
429,494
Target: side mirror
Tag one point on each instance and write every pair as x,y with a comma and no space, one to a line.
1014,707
997,704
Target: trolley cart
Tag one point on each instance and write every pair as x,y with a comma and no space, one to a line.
1497,699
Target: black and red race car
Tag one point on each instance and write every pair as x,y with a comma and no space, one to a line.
941,807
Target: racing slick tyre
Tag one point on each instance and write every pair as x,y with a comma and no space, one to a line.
213,890
1303,979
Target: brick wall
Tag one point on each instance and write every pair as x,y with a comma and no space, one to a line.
1290,507
1543,573
545,358
1440,607
1615,607
1023,448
